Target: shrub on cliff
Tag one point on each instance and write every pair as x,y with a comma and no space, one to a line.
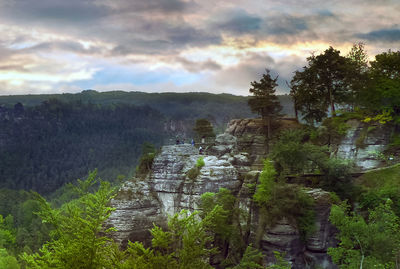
146,160
278,200
293,154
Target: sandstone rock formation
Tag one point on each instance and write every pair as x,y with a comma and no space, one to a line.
364,144
230,162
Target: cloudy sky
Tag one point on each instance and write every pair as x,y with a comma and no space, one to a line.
178,45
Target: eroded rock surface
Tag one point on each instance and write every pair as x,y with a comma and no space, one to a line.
232,162
364,144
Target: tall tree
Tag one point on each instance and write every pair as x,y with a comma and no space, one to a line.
382,93
357,73
264,101
321,85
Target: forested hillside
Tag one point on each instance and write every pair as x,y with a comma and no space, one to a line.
218,108
48,140
45,146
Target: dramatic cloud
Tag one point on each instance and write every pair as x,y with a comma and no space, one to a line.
383,35
178,45
238,22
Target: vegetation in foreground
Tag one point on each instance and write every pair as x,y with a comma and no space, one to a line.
70,233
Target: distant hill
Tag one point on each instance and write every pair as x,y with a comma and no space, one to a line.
49,140
175,105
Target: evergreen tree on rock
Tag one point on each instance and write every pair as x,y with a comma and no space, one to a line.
204,128
264,101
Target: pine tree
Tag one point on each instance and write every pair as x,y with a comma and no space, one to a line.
264,101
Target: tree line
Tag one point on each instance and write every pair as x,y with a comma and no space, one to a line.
331,82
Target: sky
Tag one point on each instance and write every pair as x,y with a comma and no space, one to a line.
59,46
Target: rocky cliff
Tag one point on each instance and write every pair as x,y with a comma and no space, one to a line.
231,162
365,144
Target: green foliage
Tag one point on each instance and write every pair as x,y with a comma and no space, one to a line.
279,200
379,186
228,223
337,177
7,233
264,101
384,177
56,142
281,263
293,155
200,162
27,229
321,85
182,245
252,258
371,244
381,94
146,160
7,261
335,129
75,239
266,186
193,173
204,128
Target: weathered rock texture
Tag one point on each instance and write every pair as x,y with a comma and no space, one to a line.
229,163
364,144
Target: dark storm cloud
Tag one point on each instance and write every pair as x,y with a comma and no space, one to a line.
69,46
286,25
192,66
163,38
164,6
133,27
54,11
386,35
239,22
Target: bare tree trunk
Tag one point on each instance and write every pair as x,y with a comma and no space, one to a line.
332,103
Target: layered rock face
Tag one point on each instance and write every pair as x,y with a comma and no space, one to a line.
230,162
364,144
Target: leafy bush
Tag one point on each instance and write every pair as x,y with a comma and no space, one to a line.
293,155
337,177
146,161
193,173
200,162
267,182
279,200
371,243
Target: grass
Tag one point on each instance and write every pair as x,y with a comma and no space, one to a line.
384,177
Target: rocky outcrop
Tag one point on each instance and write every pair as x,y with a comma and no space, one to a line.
364,144
136,209
229,163
251,138
175,190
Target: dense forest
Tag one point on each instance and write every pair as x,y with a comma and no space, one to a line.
46,146
71,135
49,140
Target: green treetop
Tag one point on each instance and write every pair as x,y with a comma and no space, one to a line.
204,128
321,85
264,101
